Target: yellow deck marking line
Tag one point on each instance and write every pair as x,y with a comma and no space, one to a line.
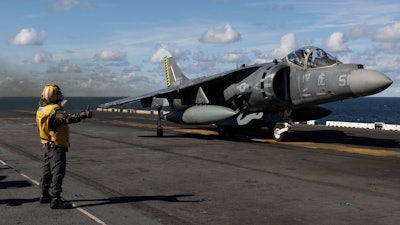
135,124
196,131
364,151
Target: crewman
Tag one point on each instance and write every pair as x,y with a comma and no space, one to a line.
52,121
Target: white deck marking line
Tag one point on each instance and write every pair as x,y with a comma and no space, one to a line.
30,179
88,214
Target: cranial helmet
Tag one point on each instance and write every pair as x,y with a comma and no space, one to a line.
52,93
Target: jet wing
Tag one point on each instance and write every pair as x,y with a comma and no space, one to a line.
217,81
133,99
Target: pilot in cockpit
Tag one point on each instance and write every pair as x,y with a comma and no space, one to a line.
311,57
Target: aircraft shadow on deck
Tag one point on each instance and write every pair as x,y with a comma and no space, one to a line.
317,136
240,138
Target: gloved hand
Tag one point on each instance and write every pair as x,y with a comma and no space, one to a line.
87,113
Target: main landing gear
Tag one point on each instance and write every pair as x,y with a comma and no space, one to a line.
280,131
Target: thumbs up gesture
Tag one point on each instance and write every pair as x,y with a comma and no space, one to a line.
88,112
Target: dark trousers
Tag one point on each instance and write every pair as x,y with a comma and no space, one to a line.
54,166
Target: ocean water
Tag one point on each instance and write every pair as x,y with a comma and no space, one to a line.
73,103
363,110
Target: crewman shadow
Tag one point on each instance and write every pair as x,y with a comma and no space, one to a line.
129,199
14,184
17,201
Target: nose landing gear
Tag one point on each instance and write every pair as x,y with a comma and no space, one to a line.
280,131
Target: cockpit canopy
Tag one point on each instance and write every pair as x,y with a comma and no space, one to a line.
311,57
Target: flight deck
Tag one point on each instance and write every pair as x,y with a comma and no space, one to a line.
120,172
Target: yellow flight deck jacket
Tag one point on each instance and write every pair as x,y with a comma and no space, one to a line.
52,122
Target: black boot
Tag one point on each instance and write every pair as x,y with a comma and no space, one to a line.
46,197
58,203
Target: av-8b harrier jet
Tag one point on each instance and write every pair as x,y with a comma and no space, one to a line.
273,95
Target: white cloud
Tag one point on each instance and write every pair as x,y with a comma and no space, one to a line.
389,33
110,56
160,53
28,36
336,43
232,57
65,66
288,44
260,57
358,31
41,57
68,5
129,75
165,50
388,46
237,56
226,35
387,64
203,64
86,84
6,81
69,68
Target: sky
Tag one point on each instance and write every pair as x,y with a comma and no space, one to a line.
115,48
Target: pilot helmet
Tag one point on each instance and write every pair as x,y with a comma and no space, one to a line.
306,52
52,93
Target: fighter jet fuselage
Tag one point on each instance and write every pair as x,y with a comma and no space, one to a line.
279,86
277,93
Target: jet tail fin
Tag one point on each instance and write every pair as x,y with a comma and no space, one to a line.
173,73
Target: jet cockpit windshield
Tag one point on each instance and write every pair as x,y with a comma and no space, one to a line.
311,57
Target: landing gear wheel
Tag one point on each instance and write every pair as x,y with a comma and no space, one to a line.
159,132
280,131
226,132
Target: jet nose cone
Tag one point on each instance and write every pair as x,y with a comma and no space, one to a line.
365,82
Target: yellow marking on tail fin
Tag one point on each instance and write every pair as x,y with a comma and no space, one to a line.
167,71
